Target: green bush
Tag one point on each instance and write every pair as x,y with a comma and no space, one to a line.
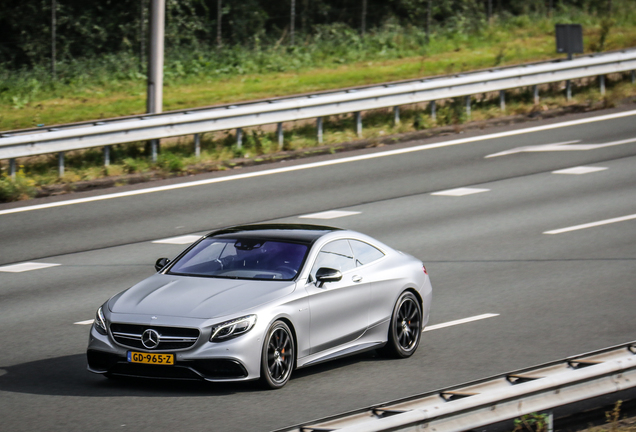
16,189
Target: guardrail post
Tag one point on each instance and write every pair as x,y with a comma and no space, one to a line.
633,77
319,130
550,425
359,124
502,100
431,104
467,98
60,164
239,137
154,149
279,134
535,91
197,145
601,83
12,169
396,115
568,90
106,155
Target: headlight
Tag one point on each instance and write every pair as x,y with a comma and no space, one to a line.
232,329
100,322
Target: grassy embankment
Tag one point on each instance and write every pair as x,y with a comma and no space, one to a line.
113,86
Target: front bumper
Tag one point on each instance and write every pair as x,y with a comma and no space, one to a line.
233,360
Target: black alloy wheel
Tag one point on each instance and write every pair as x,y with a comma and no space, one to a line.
278,356
406,327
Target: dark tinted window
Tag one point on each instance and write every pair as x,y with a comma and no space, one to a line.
242,259
336,255
364,252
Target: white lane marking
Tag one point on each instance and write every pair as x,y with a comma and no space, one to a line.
543,147
319,164
460,191
181,240
564,146
460,321
27,266
592,224
331,214
579,170
87,322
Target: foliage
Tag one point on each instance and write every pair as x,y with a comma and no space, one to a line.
16,189
531,423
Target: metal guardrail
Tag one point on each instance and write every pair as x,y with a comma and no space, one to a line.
64,138
492,400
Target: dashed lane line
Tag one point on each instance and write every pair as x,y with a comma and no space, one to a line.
579,170
26,266
460,192
181,240
331,214
460,321
591,224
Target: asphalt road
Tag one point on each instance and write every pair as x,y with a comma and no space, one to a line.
555,294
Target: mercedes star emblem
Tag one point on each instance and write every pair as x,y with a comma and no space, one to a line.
150,339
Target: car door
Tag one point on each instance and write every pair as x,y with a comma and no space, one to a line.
338,310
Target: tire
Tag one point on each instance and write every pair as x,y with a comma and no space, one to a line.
278,356
405,330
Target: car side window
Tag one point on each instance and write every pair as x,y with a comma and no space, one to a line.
365,253
336,255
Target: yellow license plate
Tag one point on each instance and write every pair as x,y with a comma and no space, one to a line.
150,358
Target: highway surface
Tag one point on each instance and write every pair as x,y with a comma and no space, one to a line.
503,223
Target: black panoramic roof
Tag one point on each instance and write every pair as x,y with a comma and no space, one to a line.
297,232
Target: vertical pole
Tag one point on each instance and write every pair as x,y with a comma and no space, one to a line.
155,61
293,19
428,21
60,164
568,90
364,16
197,145
219,18
535,91
502,100
279,134
154,101
106,155
53,25
601,83
633,77
396,115
319,130
12,169
359,124
550,425
431,104
239,137
467,99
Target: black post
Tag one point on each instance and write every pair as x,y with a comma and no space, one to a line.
142,39
53,25
291,24
428,20
364,16
219,17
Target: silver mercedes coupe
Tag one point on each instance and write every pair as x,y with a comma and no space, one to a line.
258,301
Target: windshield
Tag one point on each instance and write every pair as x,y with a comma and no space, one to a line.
242,259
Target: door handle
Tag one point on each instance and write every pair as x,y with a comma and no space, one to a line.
356,278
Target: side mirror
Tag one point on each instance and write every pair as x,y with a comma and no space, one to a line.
161,263
326,274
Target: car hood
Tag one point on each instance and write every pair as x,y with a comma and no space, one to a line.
196,297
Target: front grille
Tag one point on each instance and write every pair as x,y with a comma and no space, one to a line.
170,338
219,368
